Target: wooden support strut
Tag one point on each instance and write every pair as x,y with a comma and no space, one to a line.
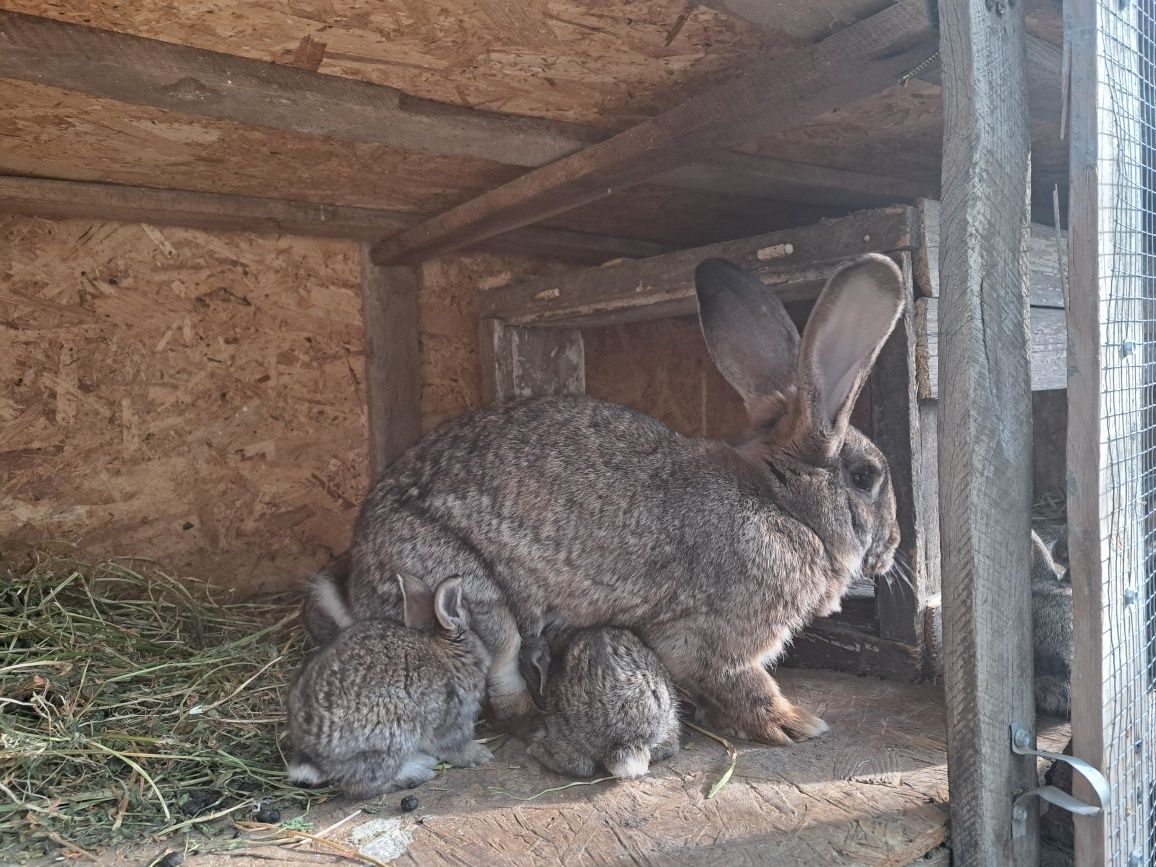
57,199
985,429
392,360
864,58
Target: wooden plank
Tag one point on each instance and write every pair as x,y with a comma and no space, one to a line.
746,175
1049,347
862,59
830,644
57,199
796,262
1044,285
530,362
929,491
392,360
895,429
985,429
1108,404
193,81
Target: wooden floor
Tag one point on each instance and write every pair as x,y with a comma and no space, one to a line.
873,791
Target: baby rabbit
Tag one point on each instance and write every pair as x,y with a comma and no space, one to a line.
1051,630
609,701
376,709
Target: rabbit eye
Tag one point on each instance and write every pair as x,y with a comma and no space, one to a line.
864,477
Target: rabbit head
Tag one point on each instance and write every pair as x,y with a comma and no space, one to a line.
799,393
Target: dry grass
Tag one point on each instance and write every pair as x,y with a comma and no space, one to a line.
134,704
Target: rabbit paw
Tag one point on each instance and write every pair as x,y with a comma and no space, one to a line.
470,755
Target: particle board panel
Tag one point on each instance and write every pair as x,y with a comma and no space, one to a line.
609,63
191,397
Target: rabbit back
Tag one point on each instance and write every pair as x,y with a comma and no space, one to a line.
1051,631
377,700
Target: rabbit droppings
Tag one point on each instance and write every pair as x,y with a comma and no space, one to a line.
379,706
609,701
574,510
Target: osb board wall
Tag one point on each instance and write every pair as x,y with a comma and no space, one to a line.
190,397
663,369
611,62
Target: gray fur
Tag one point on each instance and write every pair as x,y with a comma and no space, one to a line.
325,611
374,709
1051,630
609,702
574,510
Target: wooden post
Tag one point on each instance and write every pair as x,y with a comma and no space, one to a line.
895,429
392,360
527,362
1107,396
985,428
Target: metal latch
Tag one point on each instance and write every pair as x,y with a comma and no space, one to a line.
1022,745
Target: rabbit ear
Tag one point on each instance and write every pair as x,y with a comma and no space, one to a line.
448,603
852,319
540,659
418,600
751,339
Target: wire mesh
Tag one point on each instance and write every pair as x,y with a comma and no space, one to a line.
1126,148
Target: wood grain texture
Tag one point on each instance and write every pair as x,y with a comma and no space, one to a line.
610,64
796,262
1044,284
985,428
1108,406
193,81
392,360
861,59
59,199
188,396
530,362
1048,338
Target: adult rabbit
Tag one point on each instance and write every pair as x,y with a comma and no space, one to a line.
576,511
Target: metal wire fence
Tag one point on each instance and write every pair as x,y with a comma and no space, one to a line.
1126,144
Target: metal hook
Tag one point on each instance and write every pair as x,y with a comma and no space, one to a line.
1023,745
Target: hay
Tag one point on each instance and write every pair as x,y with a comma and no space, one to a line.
134,704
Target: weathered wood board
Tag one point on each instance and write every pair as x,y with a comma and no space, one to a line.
1049,347
871,793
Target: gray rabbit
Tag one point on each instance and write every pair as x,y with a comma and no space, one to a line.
376,708
609,702
323,612
575,510
1052,627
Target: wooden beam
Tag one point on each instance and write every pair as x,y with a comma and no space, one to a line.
392,360
1049,347
795,262
194,81
862,59
1044,281
58,199
1110,394
745,175
985,429
530,362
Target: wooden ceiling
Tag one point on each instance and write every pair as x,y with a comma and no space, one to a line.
591,68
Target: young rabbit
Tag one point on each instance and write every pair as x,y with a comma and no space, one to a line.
582,512
1051,630
376,709
609,701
